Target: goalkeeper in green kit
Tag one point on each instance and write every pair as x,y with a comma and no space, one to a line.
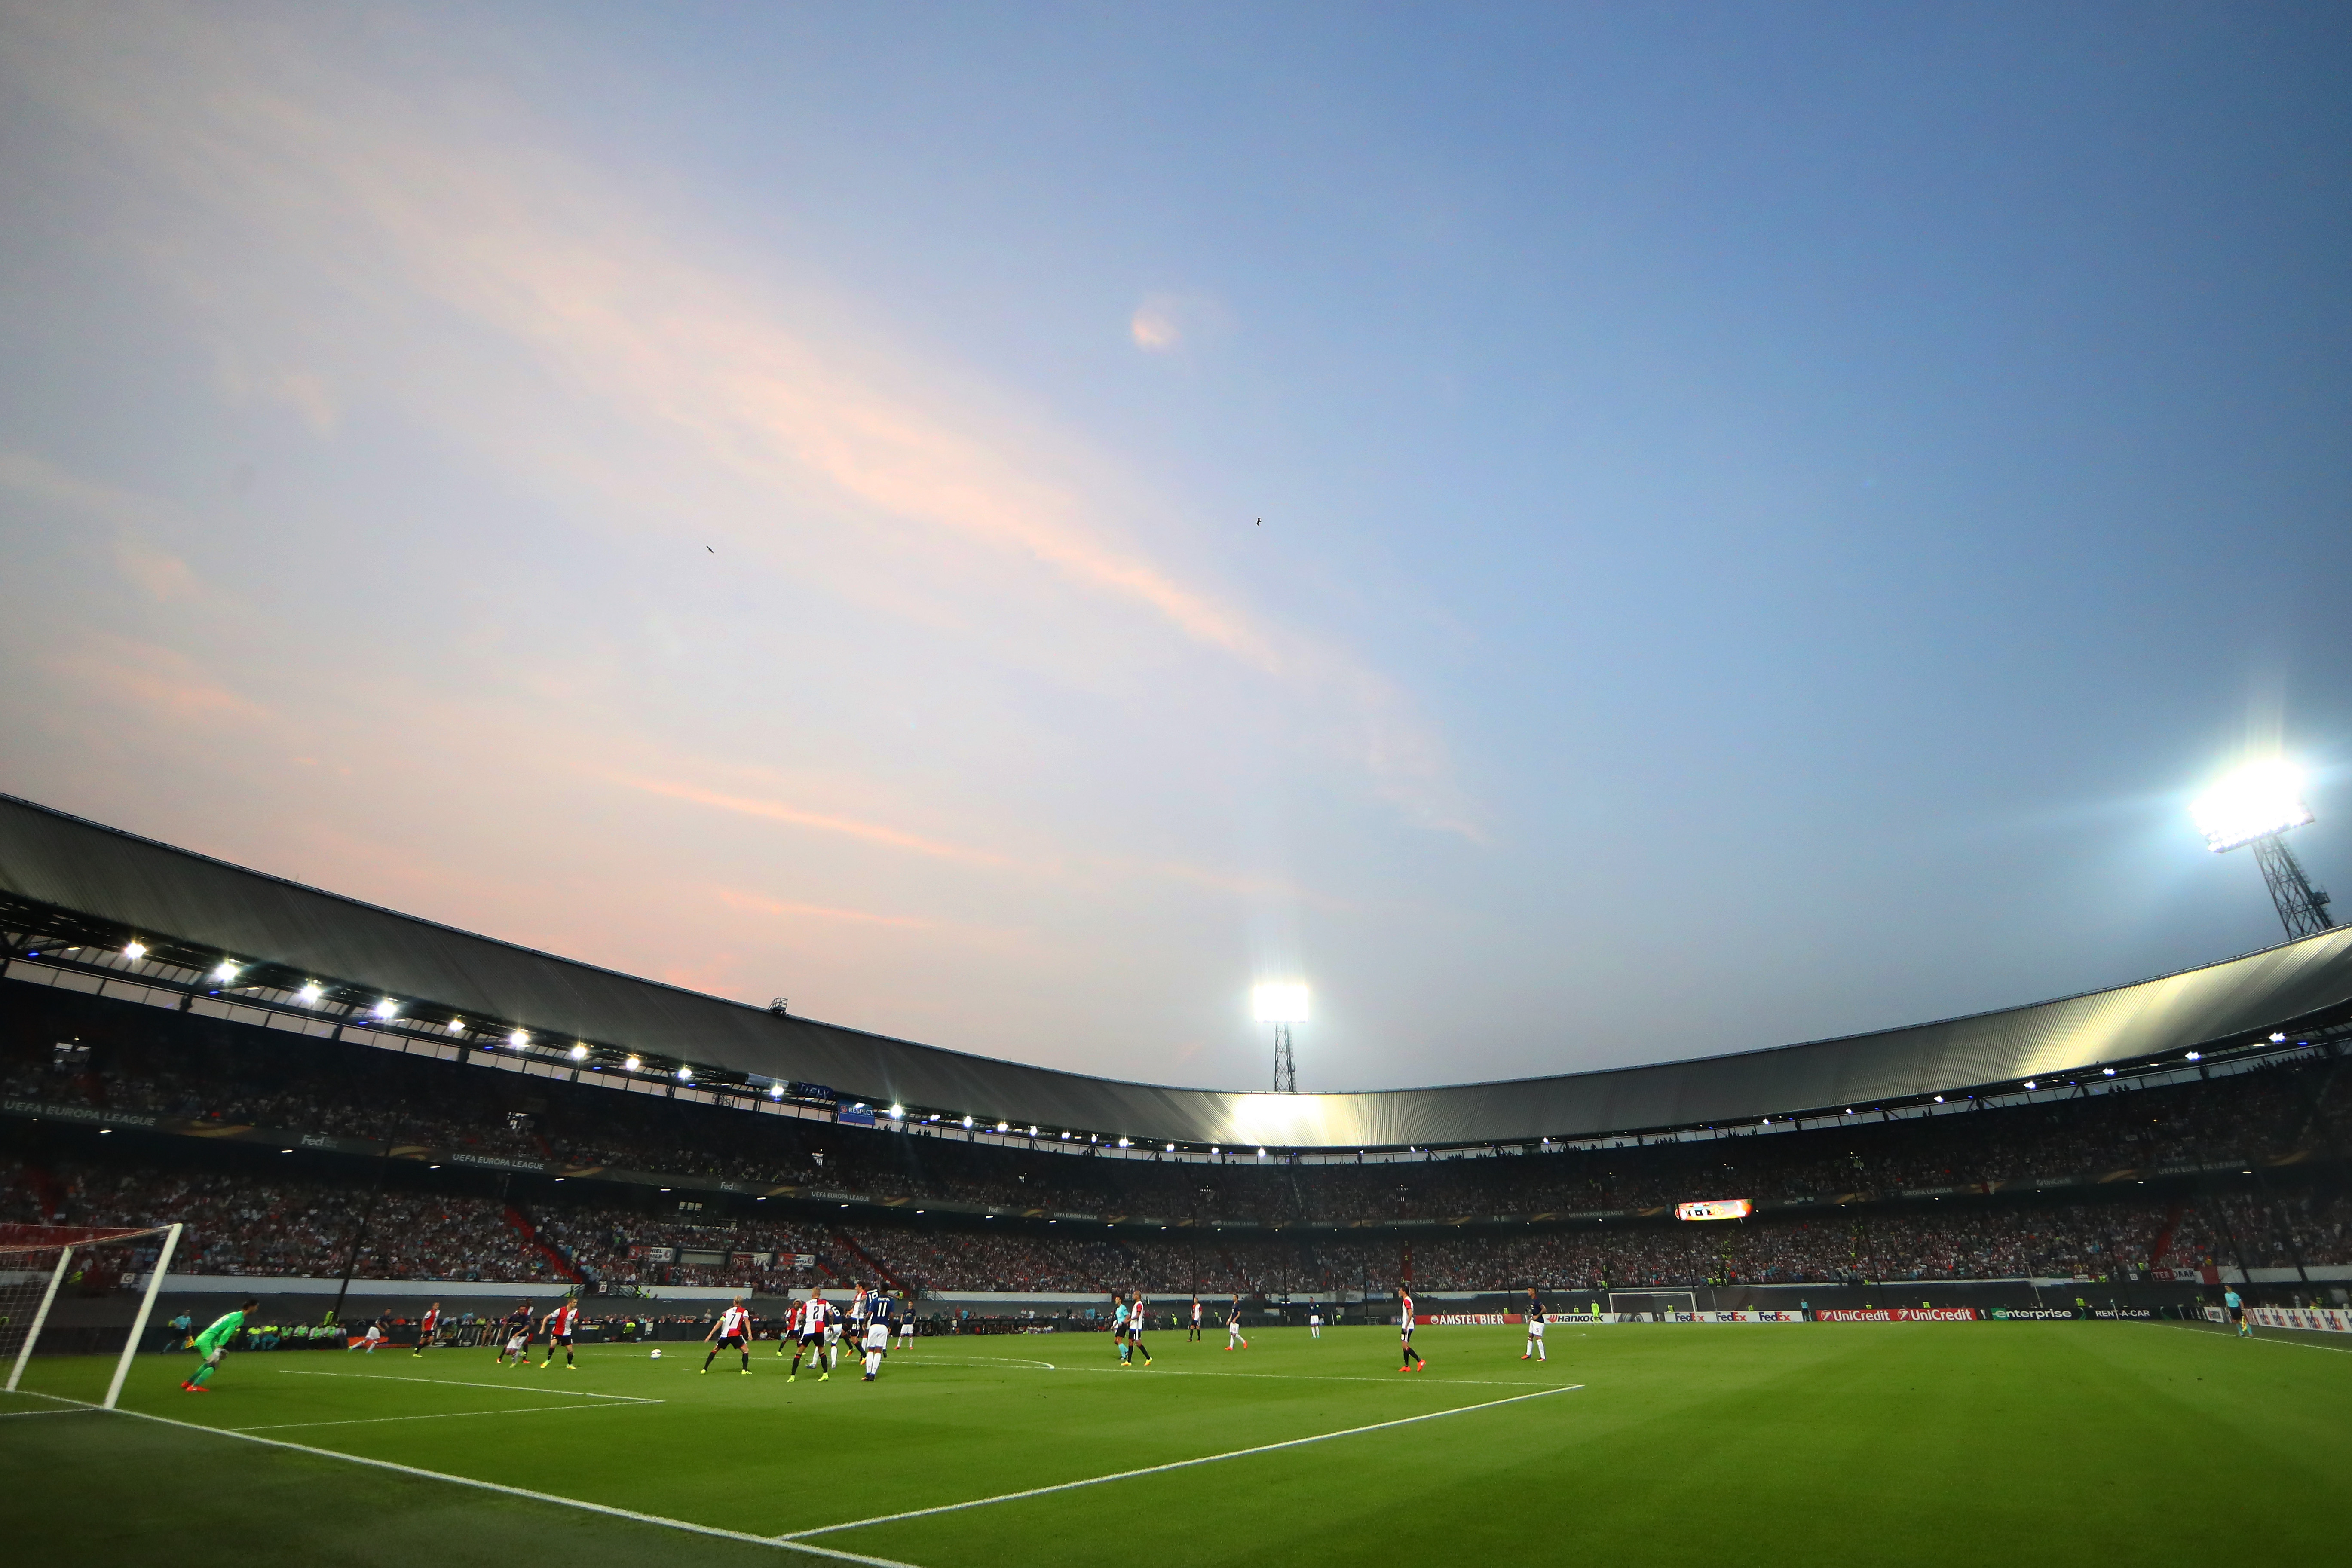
213,1341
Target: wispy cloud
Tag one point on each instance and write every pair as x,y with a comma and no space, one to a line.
753,902
819,821
1154,327
849,454
159,682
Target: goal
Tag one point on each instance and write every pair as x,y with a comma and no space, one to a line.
1653,1301
36,1261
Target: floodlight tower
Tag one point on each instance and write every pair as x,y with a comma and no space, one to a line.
2256,805
1282,1004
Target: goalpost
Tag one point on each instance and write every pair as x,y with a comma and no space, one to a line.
37,1259
1626,1301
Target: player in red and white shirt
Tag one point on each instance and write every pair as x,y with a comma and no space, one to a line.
1413,1362
425,1329
810,1322
731,1332
560,1324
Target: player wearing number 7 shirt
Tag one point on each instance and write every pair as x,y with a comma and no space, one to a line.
731,1332
560,1324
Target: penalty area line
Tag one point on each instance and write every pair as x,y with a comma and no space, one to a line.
459,1382
441,1415
800,1535
687,1525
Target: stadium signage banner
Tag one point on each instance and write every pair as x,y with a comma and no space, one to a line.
1901,1315
2320,1319
1745,1315
2031,1314
1716,1208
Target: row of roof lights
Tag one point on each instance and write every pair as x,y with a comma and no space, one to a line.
311,992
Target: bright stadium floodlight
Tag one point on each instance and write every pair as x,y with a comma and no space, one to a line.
775,1092
2255,807
310,993
580,1053
518,1040
225,971
386,1009
2260,798
635,1063
967,1122
134,951
456,1026
899,1111
1283,1002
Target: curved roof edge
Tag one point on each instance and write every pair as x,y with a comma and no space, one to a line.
50,857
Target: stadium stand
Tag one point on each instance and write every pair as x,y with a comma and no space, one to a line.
163,1056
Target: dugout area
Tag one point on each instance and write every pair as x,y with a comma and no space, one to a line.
1805,1443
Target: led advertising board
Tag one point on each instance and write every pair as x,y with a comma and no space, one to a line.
1716,1208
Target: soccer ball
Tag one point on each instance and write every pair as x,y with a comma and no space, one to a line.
657,1355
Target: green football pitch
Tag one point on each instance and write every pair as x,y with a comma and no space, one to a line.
1757,1444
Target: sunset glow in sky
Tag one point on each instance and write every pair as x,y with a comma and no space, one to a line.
1768,514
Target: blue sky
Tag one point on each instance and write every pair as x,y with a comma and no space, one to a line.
1768,513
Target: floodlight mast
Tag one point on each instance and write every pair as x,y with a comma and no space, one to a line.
2255,807
2301,908
1282,1006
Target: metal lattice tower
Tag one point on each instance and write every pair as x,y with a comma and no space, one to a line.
1286,1065
2301,908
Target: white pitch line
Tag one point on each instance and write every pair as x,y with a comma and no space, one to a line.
455,1382
2221,1330
799,1535
1283,1376
1342,1377
443,1416
687,1525
6,1414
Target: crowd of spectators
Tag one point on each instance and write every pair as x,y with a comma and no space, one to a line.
242,1224
358,1093
298,1225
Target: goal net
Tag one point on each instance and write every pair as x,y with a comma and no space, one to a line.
1653,1303
43,1264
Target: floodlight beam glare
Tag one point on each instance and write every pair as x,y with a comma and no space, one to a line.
2256,800
1280,1001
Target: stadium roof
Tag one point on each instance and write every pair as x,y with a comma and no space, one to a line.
144,887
